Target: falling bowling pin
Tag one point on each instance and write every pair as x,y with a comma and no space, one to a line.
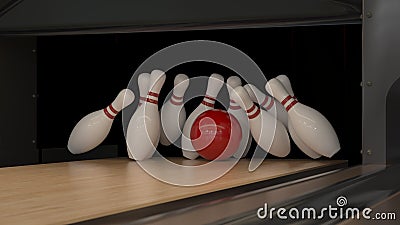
234,109
302,146
274,140
92,129
215,83
173,113
268,103
143,133
309,124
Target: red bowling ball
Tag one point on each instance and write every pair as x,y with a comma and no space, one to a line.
216,134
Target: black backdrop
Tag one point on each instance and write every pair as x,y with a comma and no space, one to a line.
82,73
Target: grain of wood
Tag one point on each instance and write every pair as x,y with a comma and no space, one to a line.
61,193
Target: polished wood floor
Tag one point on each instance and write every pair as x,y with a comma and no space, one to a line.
61,193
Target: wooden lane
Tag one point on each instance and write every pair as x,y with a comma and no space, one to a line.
70,192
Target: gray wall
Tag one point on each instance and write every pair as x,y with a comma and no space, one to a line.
17,103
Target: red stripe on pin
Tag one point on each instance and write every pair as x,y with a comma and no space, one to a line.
251,108
255,114
112,109
234,107
176,97
207,104
108,114
270,105
286,99
265,100
152,94
154,101
174,102
209,97
291,105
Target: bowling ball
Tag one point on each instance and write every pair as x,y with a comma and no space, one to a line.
216,134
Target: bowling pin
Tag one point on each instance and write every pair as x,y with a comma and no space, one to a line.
143,84
143,133
268,103
274,140
309,124
173,113
215,83
302,146
92,129
235,110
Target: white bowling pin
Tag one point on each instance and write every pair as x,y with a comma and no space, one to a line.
92,129
268,103
309,124
143,84
234,109
274,140
215,83
173,113
302,146
143,133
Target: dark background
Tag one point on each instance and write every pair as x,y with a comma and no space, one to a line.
82,73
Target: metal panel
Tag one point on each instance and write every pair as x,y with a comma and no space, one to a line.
18,101
91,16
381,67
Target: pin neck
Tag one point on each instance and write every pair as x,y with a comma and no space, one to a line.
152,97
289,102
267,103
208,101
142,99
110,112
154,94
253,112
176,100
233,105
